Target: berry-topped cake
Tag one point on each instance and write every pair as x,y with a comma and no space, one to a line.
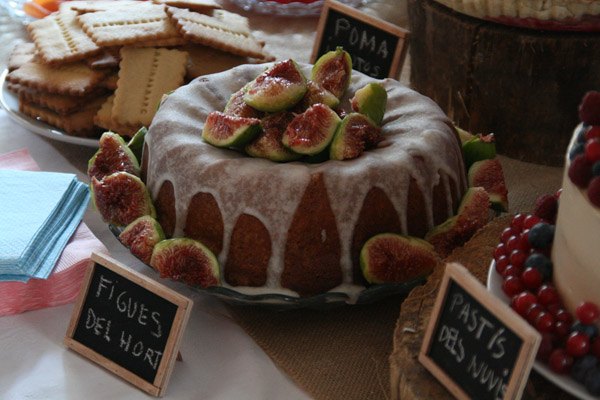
573,15
550,260
576,251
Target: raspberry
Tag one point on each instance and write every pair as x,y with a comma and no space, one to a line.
580,171
589,109
546,207
592,150
594,191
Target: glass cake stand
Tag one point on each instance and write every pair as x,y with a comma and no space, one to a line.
327,300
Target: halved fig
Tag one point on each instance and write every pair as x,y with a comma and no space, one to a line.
355,134
186,260
141,236
371,101
136,144
269,144
472,215
238,107
311,132
333,71
393,258
121,198
113,155
278,88
316,94
224,130
489,175
479,147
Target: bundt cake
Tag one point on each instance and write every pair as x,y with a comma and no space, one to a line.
297,227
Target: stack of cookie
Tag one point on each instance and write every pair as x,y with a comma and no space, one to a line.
104,65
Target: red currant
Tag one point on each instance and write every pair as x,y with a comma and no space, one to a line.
592,132
511,270
517,222
530,221
578,344
592,150
587,313
562,329
544,322
517,258
501,264
507,233
500,250
547,295
521,302
533,312
512,244
524,244
512,285
546,346
559,361
564,316
532,278
595,347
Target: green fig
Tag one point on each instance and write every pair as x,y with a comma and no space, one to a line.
278,88
371,101
186,260
393,258
224,130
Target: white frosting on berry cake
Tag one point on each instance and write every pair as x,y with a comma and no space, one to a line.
543,14
576,248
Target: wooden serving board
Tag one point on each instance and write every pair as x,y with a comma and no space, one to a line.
409,379
524,85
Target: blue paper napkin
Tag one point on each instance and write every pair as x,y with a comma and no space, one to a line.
39,211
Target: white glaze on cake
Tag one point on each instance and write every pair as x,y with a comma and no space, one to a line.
576,247
419,144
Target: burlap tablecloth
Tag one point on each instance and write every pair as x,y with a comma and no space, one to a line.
343,353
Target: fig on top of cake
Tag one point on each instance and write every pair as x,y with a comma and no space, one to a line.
556,15
283,116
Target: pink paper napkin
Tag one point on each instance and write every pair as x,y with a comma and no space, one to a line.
63,284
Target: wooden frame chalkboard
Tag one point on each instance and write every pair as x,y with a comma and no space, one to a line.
128,323
475,345
377,47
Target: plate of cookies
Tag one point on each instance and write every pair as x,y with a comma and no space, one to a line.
104,66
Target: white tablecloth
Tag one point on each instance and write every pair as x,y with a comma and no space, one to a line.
219,360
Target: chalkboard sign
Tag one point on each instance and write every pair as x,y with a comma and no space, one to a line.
128,323
474,343
377,47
